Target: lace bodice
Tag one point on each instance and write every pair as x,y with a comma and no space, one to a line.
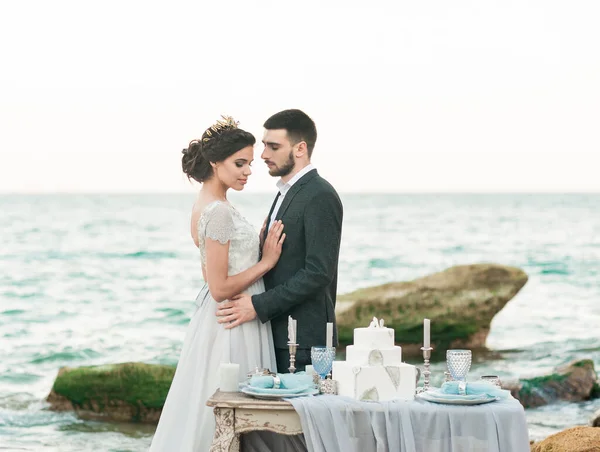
220,221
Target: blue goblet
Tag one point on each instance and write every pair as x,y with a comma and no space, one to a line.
322,359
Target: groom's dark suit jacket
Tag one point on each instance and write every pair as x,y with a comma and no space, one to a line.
303,284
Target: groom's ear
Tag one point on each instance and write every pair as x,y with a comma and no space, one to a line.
301,150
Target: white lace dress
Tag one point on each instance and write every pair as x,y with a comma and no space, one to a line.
186,423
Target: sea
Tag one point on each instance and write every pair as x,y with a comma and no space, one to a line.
89,279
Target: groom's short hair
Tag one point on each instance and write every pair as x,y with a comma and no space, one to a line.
298,124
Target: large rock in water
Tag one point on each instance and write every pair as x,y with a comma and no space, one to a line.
580,439
574,382
460,301
130,392
595,420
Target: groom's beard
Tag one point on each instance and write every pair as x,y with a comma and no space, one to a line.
285,169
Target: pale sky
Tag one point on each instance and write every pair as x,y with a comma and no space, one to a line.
407,96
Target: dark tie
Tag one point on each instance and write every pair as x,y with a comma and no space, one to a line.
269,217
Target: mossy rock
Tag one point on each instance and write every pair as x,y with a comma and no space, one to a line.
126,392
460,301
574,382
595,391
595,419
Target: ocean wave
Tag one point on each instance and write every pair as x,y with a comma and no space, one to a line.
19,378
28,281
17,334
13,312
453,249
69,256
381,263
12,294
109,222
555,271
549,267
77,355
151,255
17,401
391,262
171,312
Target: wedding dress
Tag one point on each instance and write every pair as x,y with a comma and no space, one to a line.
186,423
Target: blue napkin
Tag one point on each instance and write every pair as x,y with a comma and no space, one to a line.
290,383
476,388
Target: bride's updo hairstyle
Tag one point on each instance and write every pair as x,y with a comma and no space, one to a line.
218,142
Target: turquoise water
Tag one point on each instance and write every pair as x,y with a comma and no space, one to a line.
94,279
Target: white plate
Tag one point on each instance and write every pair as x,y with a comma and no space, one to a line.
436,397
262,395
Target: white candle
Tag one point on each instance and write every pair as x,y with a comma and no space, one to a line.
295,331
329,337
229,375
291,330
310,370
426,324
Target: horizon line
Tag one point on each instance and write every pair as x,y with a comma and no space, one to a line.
343,192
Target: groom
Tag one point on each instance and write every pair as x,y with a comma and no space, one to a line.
303,284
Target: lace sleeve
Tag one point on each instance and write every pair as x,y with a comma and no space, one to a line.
219,224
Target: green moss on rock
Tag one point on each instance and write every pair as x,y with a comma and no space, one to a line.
445,333
345,335
131,383
595,394
573,382
583,363
539,383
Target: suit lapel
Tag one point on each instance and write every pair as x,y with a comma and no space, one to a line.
289,196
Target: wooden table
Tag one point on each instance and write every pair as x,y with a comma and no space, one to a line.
236,413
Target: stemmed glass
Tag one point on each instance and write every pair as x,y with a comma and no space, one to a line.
459,363
322,359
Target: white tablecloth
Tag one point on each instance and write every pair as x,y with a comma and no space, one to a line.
340,424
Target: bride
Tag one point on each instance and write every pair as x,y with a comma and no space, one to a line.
229,253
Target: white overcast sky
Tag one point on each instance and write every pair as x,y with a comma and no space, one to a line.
432,95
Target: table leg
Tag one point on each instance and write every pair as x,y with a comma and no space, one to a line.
225,439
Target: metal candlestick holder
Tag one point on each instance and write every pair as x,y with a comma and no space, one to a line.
426,372
292,347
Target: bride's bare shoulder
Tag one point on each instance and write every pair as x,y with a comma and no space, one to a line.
202,206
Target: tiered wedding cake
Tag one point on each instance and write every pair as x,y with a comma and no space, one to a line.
373,369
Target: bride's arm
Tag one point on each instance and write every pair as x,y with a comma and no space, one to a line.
220,284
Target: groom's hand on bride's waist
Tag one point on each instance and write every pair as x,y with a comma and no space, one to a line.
237,310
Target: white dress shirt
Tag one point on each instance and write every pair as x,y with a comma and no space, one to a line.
284,187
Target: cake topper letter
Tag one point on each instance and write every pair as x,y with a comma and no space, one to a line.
376,323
